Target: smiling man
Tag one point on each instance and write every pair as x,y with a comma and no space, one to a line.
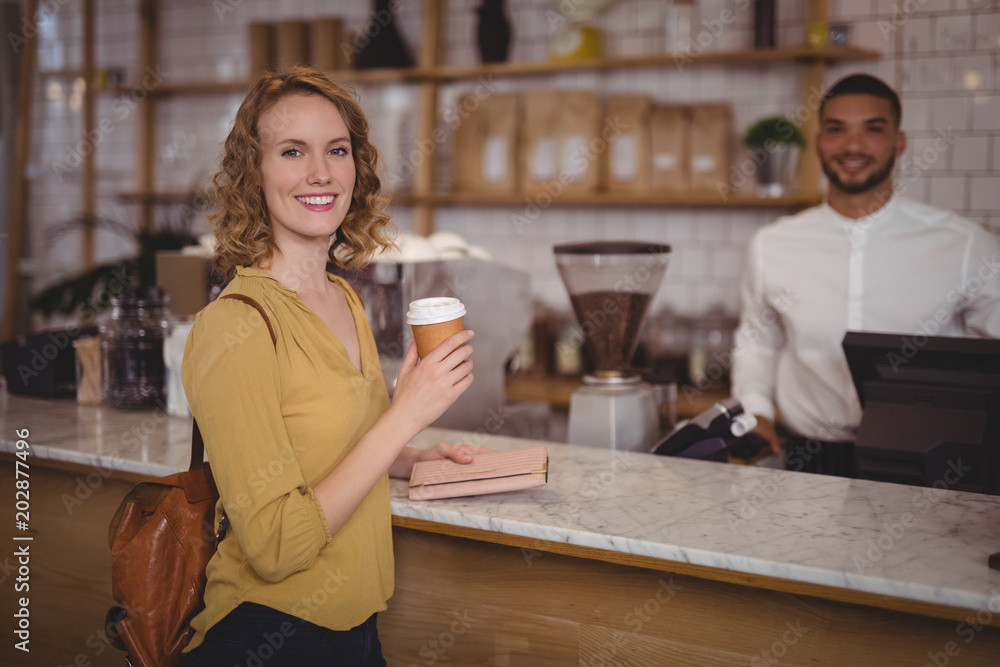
867,259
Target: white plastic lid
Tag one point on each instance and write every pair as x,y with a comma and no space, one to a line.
434,310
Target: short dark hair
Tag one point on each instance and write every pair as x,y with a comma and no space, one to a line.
864,84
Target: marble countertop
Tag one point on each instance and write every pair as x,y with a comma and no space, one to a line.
918,544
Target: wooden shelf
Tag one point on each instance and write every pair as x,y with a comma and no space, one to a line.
180,88
173,197
742,57
458,72
696,199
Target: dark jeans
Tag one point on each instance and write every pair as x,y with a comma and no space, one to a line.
818,456
253,635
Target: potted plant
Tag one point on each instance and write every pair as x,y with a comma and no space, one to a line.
774,143
172,229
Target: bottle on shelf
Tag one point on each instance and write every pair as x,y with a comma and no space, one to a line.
763,24
681,17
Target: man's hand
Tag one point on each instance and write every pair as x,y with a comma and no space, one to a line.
765,429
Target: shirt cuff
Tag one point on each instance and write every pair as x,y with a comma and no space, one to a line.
325,536
758,404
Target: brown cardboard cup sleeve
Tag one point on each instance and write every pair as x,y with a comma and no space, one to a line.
493,472
433,321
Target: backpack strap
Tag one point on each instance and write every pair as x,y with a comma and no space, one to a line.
252,303
197,442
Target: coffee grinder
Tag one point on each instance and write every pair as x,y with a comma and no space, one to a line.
611,285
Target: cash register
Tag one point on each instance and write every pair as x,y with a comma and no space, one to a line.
931,410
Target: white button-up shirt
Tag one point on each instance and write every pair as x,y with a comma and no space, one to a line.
908,268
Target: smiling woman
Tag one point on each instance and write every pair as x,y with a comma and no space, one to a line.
289,394
242,220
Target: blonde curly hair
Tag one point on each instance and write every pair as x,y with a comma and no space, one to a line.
241,220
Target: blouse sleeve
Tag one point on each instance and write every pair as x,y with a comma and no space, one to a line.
230,375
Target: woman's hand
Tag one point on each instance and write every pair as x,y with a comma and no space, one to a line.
428,387
403,466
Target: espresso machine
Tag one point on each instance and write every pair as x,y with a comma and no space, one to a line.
611,285
494,296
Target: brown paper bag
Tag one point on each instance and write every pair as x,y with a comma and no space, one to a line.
670,149
711,146
484,145
262,48
293,44
628,163
580,150
325,40
539,155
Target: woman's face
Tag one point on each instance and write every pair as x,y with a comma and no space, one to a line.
307,169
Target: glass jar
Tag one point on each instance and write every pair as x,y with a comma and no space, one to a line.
134,374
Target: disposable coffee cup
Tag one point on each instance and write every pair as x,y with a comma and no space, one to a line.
433,321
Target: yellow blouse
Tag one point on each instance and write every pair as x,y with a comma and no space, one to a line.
276,420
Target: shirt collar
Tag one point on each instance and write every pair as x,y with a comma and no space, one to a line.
867,221
250,272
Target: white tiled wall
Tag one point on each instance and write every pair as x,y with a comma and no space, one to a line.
943,56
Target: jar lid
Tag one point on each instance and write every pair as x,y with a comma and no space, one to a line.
611,248
141,297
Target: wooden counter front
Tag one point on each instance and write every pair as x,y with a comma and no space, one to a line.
462,601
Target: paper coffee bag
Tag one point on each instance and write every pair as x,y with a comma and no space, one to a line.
628,163
670,149
539,155
580,148
484,144
293,44
711,146
325,40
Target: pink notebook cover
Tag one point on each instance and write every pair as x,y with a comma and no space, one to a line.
494,472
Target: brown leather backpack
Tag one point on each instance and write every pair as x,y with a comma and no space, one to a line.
161,540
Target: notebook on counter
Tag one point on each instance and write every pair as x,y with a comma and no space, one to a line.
493,472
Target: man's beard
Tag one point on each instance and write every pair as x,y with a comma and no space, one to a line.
868,184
